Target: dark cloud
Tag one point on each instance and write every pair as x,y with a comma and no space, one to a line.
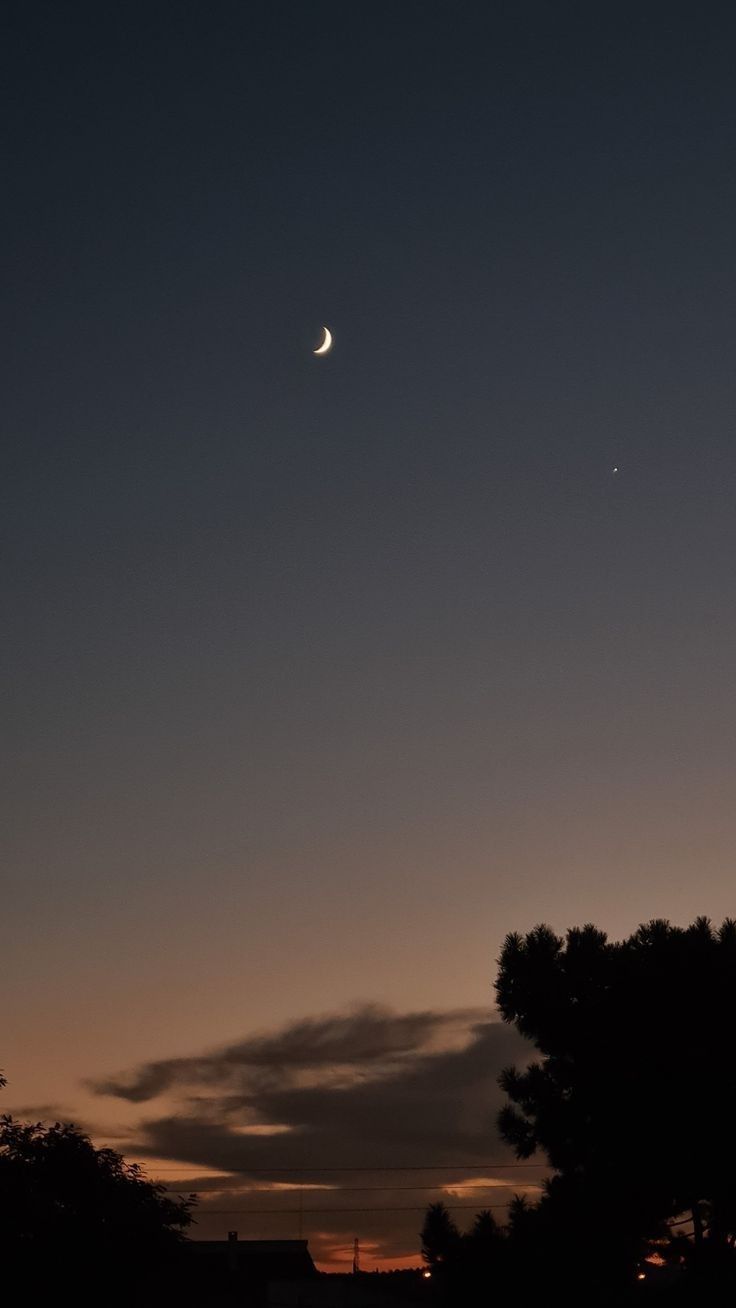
434,1107
44,1113
367,1090
369,1035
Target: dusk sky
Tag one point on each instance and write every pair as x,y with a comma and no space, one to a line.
321,674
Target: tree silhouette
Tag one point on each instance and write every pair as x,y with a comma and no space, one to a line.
76,1214
440,1237
485,1232
632,1098
482,1256
463,1266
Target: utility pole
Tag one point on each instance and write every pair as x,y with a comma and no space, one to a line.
356,1256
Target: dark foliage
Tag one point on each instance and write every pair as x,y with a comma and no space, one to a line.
80,1218
632,1098
440,1238
463,1266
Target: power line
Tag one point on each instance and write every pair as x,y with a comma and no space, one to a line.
283,1212
318,1167
381,1189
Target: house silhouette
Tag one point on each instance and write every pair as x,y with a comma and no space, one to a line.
234,1270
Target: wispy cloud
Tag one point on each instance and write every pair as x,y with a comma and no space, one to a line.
337,1100
369,1037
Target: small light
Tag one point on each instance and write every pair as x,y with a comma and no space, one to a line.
426,1275
642,1276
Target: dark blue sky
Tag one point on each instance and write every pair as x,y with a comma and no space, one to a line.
322,674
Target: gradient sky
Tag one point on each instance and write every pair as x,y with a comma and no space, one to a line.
320,675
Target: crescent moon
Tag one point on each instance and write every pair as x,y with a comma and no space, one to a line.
326,344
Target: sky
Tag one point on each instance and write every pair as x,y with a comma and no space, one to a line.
321,674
